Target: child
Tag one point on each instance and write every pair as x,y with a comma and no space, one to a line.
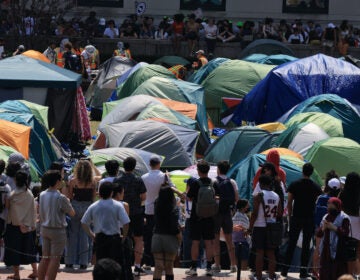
240,226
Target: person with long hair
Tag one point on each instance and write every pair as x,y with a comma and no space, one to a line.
350,197
21,220
82,193
167,237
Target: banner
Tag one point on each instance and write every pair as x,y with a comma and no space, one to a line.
306,6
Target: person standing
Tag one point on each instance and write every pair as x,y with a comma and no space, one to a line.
201,60
210,37
227,191
134,195
50,52
302,196
53,208
112,169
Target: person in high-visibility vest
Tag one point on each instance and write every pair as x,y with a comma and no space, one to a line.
201,60
123,49
59,59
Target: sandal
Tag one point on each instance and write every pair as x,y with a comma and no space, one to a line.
33,276
13,277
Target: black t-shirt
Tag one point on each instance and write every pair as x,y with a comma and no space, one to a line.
133,188
305,192
193,192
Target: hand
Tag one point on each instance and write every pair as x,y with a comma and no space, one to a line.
238,228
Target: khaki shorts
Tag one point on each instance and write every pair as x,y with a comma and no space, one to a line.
53,241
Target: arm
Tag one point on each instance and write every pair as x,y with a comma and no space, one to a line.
88,231
290,204
255,213
143,196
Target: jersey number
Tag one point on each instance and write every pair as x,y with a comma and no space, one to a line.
270,212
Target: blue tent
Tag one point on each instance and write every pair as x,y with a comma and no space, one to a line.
333,105
275,59
199,76
291,83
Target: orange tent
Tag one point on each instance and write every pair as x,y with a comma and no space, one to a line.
36,55
285,152
16,136
186,109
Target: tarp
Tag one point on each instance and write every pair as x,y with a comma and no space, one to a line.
290,84
16,136
171,60
301,137
266,46
99,158
276,59
340,154
35,73
177,144
141,75
335,106
200,75
332,126
235,144
243,173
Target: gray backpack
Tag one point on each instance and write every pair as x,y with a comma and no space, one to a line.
206,205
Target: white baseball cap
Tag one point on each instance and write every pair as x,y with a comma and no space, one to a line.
334,183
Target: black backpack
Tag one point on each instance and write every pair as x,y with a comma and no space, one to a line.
73,62
226,195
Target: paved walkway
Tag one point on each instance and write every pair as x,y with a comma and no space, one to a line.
75,274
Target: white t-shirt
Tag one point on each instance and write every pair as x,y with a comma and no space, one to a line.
298,37
271,200
111,33
106,179
210,31
258,189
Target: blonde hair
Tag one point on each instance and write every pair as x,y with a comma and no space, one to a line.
83,172
346,277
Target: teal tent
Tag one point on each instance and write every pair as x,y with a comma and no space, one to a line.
275,59
244,172
335,106
171,60
235,145
200,75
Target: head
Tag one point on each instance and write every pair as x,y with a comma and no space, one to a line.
268,169
155,162
106,190
111,23
118,192
243,205
12,168
334,206
51,179
120,45
102,22
296,30
223,167
107,269
274,157
265,182
59,166
2,166
328,176
83,172
333,187
68,46
352,182
200,53
129,164
112,167
203,168
21,179
166,202
36,190
307,170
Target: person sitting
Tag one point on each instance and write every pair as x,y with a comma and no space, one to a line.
111,31
129,32
226,35
201,60
147,30
296,37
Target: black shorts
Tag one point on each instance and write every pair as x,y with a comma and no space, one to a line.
136,225
192,35
202,229
224,222
259,238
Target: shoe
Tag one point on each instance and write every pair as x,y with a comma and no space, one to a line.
284,274
305,276
146,267
83,266
233,269
209,272
69,266
191,272
139,271
216,268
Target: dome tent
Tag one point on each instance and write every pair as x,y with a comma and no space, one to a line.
275,59
200,75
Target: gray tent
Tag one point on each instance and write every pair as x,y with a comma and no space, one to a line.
176,143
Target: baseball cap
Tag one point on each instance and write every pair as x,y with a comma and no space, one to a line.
334,183
331,25
155,159
200,52
102,21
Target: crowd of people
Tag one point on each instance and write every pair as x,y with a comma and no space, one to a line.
85,218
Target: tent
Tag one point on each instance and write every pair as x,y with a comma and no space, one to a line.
335,106
141,75
99,158
285,152
144,107
272,127
234,78
105,83
267,142
329,124
36,55
200,75
176,143
290,84
276,59
340,154
244,171
266,46
301,137
40,112
235,144
171,60
129,72
45,84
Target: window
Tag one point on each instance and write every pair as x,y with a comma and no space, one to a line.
102,3
206,5
306,6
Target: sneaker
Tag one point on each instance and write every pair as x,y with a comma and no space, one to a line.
146,267
305,276
191,272
139,271
216,268
209,272
233,269
284,274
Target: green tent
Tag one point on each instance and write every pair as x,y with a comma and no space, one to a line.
244,172
331,125
200,75
141,75
339,154
276,59
171,60
235,145
40,112
232,79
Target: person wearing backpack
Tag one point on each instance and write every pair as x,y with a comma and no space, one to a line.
227,192
201,193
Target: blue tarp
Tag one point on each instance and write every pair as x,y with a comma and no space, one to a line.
276,59
291,83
